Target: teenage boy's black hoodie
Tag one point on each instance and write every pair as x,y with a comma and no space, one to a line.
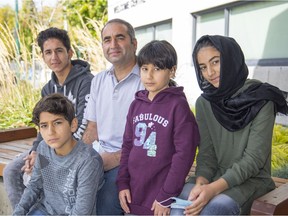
76,88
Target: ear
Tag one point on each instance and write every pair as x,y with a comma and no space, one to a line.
173,72
74,125
70,53
135,43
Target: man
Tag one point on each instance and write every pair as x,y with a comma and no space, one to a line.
72,78
112,91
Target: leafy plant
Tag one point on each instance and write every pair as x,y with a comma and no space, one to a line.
279,158
19,82
281,172
89,10
17,95
18,101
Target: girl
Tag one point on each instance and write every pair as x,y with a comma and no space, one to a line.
160,137
236,118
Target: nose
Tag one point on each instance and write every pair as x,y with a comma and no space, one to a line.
114,43
149,74
210,71
54,55
51,130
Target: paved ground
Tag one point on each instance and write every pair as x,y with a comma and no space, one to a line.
5,208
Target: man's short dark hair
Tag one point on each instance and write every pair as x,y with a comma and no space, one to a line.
54,32
56,104
130,29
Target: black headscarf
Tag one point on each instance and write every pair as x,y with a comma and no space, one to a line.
235,112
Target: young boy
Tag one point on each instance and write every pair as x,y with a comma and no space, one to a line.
67,173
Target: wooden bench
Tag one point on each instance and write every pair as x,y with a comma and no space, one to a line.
14,142
272,203
17,141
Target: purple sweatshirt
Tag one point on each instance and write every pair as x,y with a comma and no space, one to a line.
159,145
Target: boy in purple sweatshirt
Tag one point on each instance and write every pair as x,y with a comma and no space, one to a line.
160,138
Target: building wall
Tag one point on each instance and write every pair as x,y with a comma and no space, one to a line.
144,12
259,28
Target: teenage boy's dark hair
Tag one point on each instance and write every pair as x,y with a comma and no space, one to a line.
55,104
53,32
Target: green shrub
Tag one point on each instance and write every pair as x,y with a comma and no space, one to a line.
18,101
281,172
17,94
279,158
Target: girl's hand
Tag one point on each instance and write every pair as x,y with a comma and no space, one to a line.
200,195
125,198
159,209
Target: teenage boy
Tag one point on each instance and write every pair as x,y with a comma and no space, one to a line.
67,173
72,78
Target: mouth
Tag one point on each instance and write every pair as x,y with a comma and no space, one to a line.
53,140
55,64
114,53
149,84
216,79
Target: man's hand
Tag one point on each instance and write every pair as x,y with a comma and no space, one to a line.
90,133
111,159
125,198
29,162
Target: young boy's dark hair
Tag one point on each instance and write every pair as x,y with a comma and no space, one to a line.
56,104
53,32
159,53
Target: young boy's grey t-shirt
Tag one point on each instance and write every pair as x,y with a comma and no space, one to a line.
69,184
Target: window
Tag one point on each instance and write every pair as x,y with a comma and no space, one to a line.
212,24
260,28
161,31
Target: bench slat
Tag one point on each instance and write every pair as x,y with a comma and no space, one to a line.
22,142
11,144
4,161
280,180
13,148
8,156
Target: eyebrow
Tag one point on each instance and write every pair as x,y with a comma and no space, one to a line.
57,119
210,59
118,35
213,58
58,48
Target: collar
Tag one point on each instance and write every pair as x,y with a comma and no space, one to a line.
135,70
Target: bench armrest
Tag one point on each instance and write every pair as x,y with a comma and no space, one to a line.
17,134
273,203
